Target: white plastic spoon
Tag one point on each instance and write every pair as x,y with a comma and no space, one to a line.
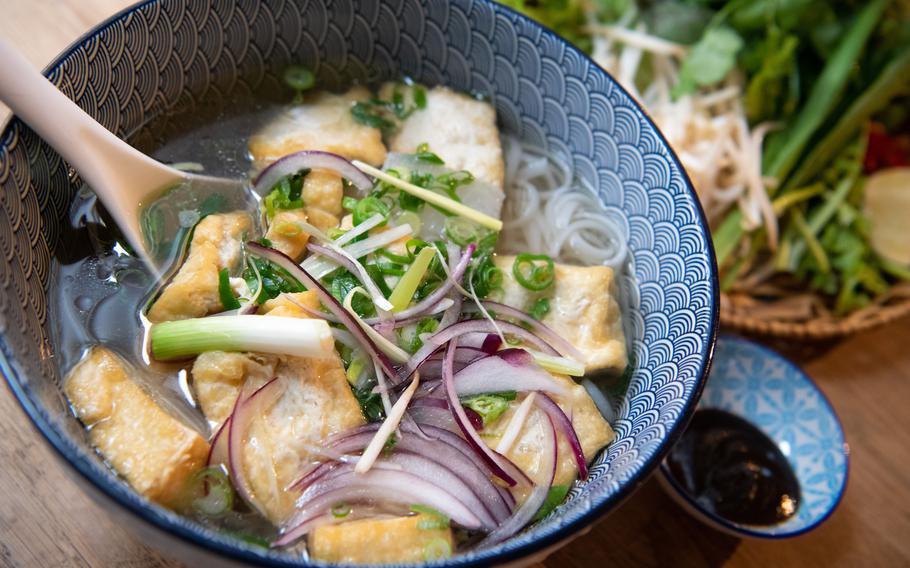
126,180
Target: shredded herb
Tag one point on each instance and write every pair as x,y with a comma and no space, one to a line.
286,194
369,206
370,404
555,496
489,406
275,280
531,274
225,292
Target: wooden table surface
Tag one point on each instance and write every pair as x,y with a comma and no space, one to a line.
45,520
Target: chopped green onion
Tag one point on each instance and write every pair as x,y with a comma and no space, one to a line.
558,365
540,308
263,334
299,78
436,520
437,549
443,202
555,496
225,292
216,490
341,510
354,369
404,291
367,207
489,406
409,218
462,231
420,97
532,275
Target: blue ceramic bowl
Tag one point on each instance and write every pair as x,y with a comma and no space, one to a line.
770,392
149,58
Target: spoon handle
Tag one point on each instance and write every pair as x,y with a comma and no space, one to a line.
121,176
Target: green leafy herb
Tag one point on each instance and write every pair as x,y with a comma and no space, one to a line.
386,114
424,155
370,404
275,280
709,61
489,406
390,444
225,292
555,496
531,274
286,194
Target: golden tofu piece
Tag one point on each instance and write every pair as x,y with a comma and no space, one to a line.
583,310
323,190
155,452
459,129
320,219
380,541
286,235
592,429
193,292
288,305
317,402
323,122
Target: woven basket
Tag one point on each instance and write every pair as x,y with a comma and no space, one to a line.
756,317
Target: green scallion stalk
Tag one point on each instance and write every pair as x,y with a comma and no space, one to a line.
558,365
262,334
407,286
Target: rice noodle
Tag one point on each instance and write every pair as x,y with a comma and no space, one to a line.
549,211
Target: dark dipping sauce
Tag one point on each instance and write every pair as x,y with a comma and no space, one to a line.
734,470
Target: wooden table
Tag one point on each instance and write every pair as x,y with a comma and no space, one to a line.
45,520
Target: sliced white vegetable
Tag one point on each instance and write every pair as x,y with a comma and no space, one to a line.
516,424
390,424
393,351
319,267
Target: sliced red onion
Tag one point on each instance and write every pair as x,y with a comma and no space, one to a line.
429,470
452,314
565,427
546,333
285,262
218,450
502,467
443,336
444,447
388,485
245,410
421,405
430,416
310,160
532,504
491,344
507,372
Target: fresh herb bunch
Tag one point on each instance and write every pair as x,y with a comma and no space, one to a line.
818,69
386,115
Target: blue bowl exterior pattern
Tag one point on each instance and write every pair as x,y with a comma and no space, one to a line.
753,382
162,53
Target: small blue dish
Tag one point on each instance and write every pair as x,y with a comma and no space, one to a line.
770,392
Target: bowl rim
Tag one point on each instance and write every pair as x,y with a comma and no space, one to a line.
695,508
197,535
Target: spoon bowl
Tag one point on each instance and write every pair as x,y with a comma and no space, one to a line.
147,199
